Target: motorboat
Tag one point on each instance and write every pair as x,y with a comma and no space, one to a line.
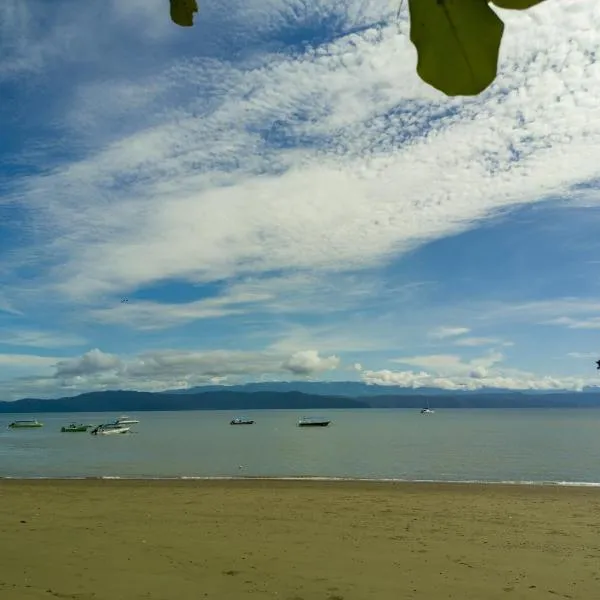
110,429
26,424
74,428
125,420
313,422
241,421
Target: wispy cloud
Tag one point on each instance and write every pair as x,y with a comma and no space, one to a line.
583,354
155,315
282,160
26,361
40,339
292,200
569,322
442,333
481,341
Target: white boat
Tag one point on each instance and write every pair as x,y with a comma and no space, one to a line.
241,421
125,420
26,424
427,410
110,429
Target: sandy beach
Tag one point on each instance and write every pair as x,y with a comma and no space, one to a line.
298,540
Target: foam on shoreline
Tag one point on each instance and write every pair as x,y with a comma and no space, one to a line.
306,478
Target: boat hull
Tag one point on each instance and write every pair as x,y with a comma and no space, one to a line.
25,426
114,431
109,430
320,424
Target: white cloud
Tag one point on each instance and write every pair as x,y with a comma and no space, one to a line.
451,372
308,362
527,381
156,370
451,364
442,333
206,198
90,363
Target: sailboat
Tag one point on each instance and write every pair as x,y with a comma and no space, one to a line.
427,410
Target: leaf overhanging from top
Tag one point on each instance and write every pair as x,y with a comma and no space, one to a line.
182,12
516,4
457,43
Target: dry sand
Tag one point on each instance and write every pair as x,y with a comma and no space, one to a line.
304,540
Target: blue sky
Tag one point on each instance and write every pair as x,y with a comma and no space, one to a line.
278,196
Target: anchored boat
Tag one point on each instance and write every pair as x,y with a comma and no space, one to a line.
74,428
427,410
110,429
125,420
26,424
241,421
313,422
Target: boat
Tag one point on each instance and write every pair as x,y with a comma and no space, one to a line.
74,428
313,422
125,420
427,410
26,424
241,421
110,429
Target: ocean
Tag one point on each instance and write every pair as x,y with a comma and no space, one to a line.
519,446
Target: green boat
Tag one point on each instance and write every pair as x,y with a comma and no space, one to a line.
73,428
28,424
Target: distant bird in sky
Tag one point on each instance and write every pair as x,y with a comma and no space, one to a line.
125,300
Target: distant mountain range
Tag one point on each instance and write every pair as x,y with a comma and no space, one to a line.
114,401
293,395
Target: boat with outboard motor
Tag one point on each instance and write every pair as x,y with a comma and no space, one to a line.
26,424
74,428
110,429
241,421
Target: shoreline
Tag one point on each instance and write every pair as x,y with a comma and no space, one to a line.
307,478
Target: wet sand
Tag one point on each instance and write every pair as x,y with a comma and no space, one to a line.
301,540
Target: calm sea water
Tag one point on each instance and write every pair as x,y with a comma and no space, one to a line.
452,445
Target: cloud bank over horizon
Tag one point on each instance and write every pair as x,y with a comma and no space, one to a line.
275,194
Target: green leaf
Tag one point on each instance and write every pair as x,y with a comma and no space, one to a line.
516,4
457,43
182,12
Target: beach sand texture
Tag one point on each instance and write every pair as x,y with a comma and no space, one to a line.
296,540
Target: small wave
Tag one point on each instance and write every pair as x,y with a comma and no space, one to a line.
309,478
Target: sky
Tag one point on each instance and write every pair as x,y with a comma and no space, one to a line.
274,194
